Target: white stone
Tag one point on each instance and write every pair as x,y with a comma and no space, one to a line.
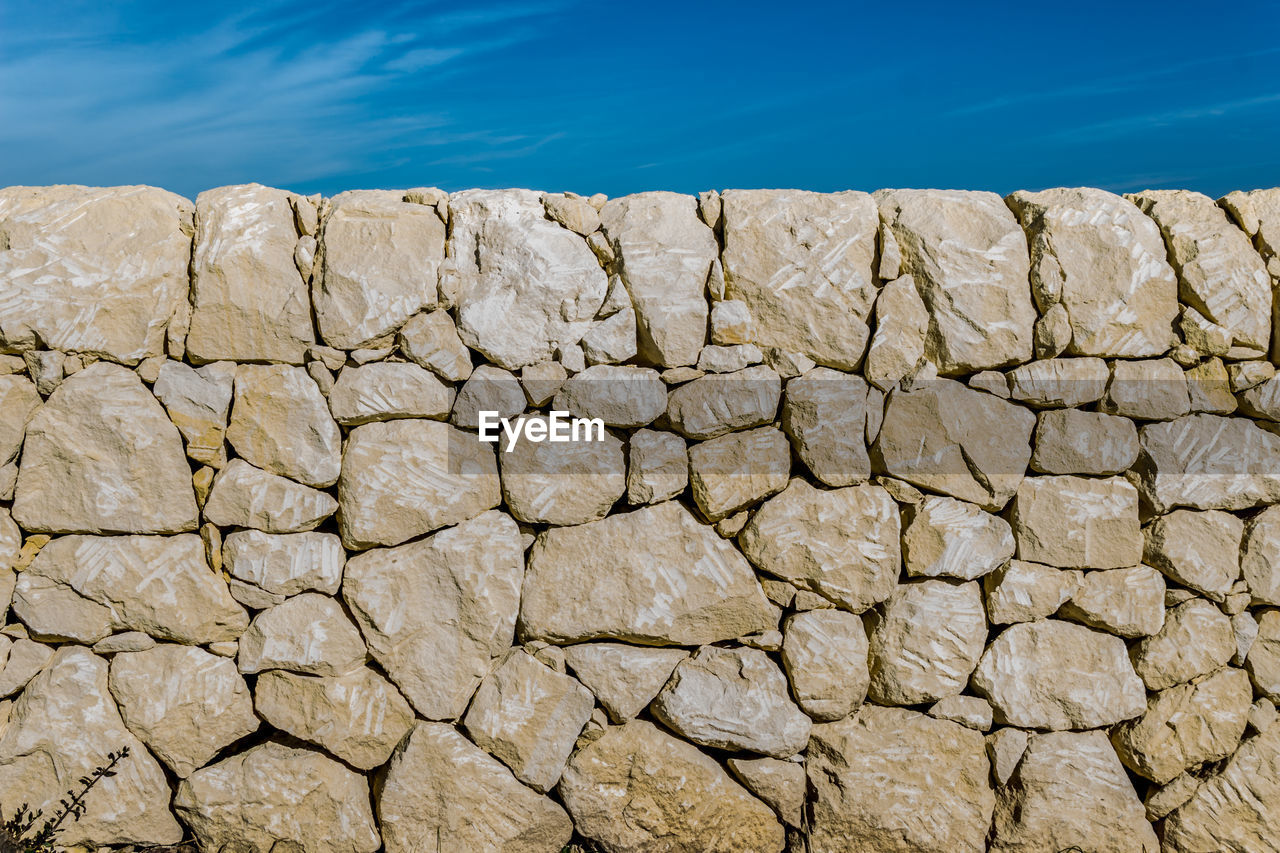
308,633
927,642
281,423
385,390
950,538
245,496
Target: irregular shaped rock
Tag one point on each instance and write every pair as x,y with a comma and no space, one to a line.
245,496
19,401
896,780
824,416
441,788
825,655
1071,441
249,303
285,564
1195,640
488,389
436,612
1200,550
657,466
653,576
60,729
1070,790
401,479
664,254
1096,254
801,261
184,703
1259,558
779,783
101,457
525,285
689,803
568,482
842,544
969,711
1128,602
26,659
54,612
431,340
1263,660
1148,390
623,678
271,795
385,390
1056,675
1077,522
948,438
950,538
968,257
718,403
198,401
528,716
1059,382
358,717
927,642
1208,462
379,262
572,212
308,633
97,270
902,327
280,422
734,471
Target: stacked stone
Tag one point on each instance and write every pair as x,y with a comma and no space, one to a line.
924,521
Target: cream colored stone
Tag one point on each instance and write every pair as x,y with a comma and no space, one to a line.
570,482
1059,382
1128,602
1259,558
249,303
431,340
1199,550
824,415
1148,390
657,466
1072,441
386,390
731,322
950,538
734,471
245,496
619,395
824,653
1195,640
54,612
1053,332
437,611
18,404
198,401
901,329
718,403
623,678
184,703
1263,660
126,641
285,564
1208,462
927,642
403,478
653,575
358,717
779,783
572,212
26,659
308,633
1077,522
804,535
490,389
101,457
971,712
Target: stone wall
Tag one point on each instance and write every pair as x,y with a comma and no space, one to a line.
924,521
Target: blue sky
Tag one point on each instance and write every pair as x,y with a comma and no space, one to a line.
618,97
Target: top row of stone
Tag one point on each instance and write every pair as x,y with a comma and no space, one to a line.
129,273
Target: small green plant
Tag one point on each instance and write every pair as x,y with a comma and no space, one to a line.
24,833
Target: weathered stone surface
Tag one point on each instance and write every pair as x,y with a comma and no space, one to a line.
824,653
949,438
490,389
436,612
927,642
385,390
441,790
249,302
972,712
902,327
308,633
842,544
801,261
1059,382
431,340
718,403
183,702
156,584
1056,675
54,612
96,270
950,538
1096,254
1147,390
889,779
735,699
270,795
245,496
664,254
1186,725
969,259
528,716
1071,441
379,262
1235,809
1077,522
61,728
572,212
525,285
126,641
26,659
281,423
1208,462
1128,602
403,478
101,457
779,783
198,401
824,416
1200,550
19,401
358,717
623,678
1070,790
1259,558
657,466
689,803
1263,661
1195,640
570,482
653,576
735,471
619,395
1219,273
285,564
